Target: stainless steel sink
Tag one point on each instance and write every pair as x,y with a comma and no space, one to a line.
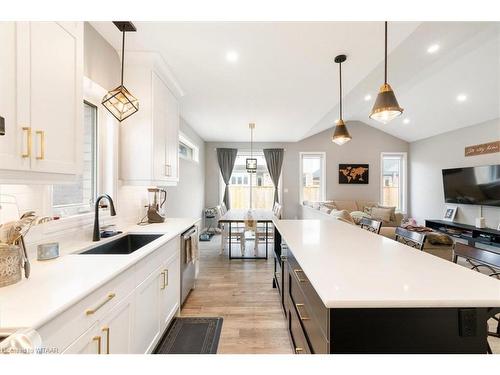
123,245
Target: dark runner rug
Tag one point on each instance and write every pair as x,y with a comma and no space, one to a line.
191,336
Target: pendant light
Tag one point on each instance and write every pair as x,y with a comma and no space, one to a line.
120,102
340,134
251,162
386,107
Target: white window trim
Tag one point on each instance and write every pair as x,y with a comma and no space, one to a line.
93,94
183,138
323,174
404,180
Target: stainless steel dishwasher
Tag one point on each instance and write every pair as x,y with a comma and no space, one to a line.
188,268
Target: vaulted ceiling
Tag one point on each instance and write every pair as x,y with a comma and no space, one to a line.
284,78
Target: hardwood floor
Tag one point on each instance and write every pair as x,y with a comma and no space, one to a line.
241,292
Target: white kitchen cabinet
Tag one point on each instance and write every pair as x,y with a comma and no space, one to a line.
147,329
149,140
88,343
42,98
170,296
116,328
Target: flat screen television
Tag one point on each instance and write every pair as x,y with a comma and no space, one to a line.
472,185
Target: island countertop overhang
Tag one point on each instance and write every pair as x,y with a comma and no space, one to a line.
352,268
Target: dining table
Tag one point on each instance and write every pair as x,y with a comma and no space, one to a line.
237,216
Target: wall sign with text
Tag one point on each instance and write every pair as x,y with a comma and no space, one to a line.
485,148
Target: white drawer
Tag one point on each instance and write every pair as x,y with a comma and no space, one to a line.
73,322
146,266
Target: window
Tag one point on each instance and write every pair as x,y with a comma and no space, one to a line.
187,149
393,189
75,198
259,184
312,176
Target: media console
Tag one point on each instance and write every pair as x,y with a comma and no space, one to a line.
470,233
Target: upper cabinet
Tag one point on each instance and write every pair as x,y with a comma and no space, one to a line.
149,139
41,99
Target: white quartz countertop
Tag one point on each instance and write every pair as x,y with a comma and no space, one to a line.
353,268
55,285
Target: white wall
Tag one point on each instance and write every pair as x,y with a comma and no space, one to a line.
365,148
429,156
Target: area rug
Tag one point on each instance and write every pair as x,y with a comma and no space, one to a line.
191,336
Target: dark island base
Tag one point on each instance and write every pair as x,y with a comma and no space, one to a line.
409,330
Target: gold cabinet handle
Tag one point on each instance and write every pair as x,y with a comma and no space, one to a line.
98,339
299,350
41,133
164,280
28,142
94,310
302,317
106,330
166,277
296,272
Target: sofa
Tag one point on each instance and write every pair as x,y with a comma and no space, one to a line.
353,207
323,211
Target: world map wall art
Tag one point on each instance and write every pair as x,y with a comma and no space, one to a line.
353,173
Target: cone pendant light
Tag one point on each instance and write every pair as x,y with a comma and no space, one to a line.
386,107
340,134
119,101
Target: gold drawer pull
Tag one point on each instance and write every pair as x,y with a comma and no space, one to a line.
98,339
296,272
94,310
41,133
106,330
28,142
298,306
168,170
299,350
164,273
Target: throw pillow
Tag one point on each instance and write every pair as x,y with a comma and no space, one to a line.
368,210
358,215
325,209
383,214
393,211
342,214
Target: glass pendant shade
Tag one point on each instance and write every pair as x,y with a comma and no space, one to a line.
341,134
121,103
386,107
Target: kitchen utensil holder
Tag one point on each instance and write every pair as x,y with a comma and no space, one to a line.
10,264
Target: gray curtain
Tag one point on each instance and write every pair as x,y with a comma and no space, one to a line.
274,161
226,158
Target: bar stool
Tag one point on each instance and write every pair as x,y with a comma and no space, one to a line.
370,225
413,239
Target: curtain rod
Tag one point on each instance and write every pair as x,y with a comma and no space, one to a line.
243,149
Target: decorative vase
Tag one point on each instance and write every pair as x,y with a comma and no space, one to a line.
10,264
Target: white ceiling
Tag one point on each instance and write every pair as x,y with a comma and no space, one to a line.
286,82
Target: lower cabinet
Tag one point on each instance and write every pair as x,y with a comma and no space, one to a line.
122,316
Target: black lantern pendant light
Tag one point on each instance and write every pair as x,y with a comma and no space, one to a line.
340,134
386,107
120,102
251,162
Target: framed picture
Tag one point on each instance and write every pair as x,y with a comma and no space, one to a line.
449,213
353,173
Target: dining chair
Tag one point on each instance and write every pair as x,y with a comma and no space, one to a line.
237,232
250,227
484,261
413,239
370,225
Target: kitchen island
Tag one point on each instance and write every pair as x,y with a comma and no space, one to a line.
346,290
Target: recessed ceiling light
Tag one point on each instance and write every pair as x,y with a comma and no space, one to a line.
433,48
232,56
406,121
368,97
461,98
